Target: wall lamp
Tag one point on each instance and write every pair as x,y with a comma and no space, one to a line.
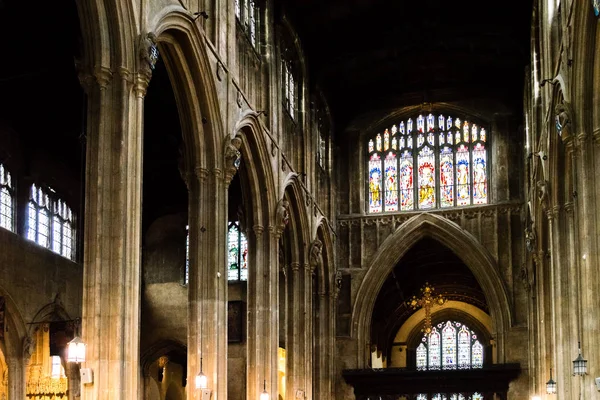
199,14
579,364
551,385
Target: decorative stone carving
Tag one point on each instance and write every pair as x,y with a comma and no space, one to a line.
282,217
148,53
542,194
28,348
530,238
338,282
316,248
563,120
233,158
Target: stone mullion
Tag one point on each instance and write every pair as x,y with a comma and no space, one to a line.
111,301
308,333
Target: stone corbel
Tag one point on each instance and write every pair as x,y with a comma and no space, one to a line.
233,158
542,193
282,216
315,251
530,239
563,120
28,348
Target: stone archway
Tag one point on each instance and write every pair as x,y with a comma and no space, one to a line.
463,244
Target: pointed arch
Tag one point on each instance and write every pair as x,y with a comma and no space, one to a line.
463,244
300,232
193,83
259,166
327,272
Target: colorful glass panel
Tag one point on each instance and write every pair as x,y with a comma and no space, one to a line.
409,125
477,396
394,129
457,123
394,143
463,187
402,142
466,132
430,122
386,140
449,346
421,397
474,132
449,123
402,130
378,142
464,348
243,257
421,357
391,182
431,138
375,184
479,174
477,355
421,124
371,146
442,138
233,254
406,182
482,135
441,122
446,177
6,199
450,141
420,140
426,162
434,350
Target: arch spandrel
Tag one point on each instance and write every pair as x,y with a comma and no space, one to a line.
463,244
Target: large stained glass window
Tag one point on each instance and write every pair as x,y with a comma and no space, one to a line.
247,13
449,345
426,163
454,396
290,96
7,196
50,222
237,255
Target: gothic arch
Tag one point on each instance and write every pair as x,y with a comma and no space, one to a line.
327,267
193,83
463,244
299,225
260,175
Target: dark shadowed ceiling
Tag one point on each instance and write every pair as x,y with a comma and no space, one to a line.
379,55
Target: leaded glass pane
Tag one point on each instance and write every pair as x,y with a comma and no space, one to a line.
6,209
375,184
474,133
477,355
430,122
406,182
479,174
371,146
449,346
446,177
233,255
391,182
466,132
409,126
31,221
482,135
477,396
386,140
252,23
421,124
464,348
441,124
43,227
463,190
394,143
434,349
421,357
378,142
426,178
243,257
56,234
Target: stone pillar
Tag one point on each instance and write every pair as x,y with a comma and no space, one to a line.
113,206
307,332
74,381
16,378
295,350
207,288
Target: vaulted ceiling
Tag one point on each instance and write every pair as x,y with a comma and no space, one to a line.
379,55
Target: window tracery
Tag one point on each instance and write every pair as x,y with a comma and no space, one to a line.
289,87
7,195
50,222
442,163
237,254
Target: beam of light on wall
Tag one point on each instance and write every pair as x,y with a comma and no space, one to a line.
536,84
527,139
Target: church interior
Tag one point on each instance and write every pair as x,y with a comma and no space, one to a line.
299,199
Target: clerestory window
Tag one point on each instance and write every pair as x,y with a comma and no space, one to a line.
290,94
438,162
7,200
50,222
247,13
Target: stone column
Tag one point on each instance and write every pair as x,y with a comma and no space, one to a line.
295,350
74,381
207,288
308,333
113,206
16,378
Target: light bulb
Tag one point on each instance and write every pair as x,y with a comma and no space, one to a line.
201,381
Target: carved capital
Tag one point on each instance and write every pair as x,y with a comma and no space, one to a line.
233,158
148,53
258,229
569,208
295,266
103,77
201,173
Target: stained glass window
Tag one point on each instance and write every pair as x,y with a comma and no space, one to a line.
456,347
247,13
448,167
375,184
7,202
454,396
289,88
50,222
237,255
391,182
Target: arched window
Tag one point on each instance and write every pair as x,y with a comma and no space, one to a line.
247,13
290,95
442,163
237,254
449,345
7,194
50,222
